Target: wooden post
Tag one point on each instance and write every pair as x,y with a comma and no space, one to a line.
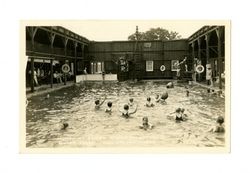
32,31
199,48
75,46
51,38
193,55
218,32
32,74
65,54
207,37
51,73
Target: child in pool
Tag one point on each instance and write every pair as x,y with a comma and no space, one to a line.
170,85
145,124
109,108
131,102
219,127
183,115
64,126
125,112
179,115
98,103
149,103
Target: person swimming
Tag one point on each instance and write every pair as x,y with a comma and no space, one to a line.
149,103
109,108
178,115
187,93
219,128
131,102
98,103
125,112
162,98
170,85
145,124
64,126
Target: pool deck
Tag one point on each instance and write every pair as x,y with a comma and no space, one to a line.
47,89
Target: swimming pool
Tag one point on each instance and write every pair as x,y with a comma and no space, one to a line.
95,128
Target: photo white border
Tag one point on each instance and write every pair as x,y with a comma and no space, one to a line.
14,11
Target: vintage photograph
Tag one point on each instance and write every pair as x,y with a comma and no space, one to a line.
118,84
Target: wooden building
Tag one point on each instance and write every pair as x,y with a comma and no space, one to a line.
208,46
49,47
137,60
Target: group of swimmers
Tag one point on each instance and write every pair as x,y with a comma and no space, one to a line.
130,108
179,112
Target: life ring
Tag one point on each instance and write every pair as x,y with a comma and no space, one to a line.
162,68
65,68
199,68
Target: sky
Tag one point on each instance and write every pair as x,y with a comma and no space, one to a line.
113,30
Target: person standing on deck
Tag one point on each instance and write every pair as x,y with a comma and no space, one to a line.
178,71
209,75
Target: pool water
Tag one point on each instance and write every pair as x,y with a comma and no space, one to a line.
95,128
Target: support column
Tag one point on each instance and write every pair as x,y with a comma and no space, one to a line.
199,48
65,41
75,46
51,73
194,63
32,32
218,32
193,55
207,38
84,65
51,38
32,74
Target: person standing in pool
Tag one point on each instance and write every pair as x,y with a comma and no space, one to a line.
98,103
218,128
109,108
149,103
131,102
145,124
170,85
125,112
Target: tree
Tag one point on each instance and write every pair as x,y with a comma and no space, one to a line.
155,34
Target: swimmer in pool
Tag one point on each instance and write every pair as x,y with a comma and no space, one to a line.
98,103
47,96
109,108
131,102
162,98
145,124
183,115
178,115
170,85
218,128
149,103
125,112
64,126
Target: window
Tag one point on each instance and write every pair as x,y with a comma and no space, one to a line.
174,65
97,67
147,45
149,66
